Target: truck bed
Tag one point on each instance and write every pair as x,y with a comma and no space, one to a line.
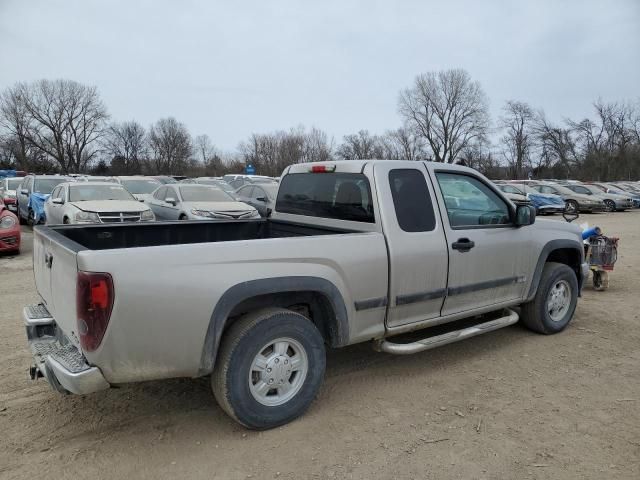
109,237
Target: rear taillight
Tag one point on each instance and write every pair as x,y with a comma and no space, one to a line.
94,301
323,168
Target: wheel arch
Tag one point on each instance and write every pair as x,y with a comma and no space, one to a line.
568,252
322,299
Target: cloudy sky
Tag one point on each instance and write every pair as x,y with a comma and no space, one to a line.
231,68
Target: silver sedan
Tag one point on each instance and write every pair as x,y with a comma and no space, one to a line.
197,202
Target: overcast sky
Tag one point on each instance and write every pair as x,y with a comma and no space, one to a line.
231,68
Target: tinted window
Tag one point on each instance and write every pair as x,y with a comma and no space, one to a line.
160,193
246,191
470,202
411,200
341,196
583,190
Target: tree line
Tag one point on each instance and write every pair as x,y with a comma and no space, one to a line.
63,126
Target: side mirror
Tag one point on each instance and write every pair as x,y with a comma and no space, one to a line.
24,191
171,200
57,201
525,215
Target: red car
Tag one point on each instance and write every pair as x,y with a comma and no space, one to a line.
9,230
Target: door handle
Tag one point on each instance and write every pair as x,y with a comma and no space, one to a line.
463,245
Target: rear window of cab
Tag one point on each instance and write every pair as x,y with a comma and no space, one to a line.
338,196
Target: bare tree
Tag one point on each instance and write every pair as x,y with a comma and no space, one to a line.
66,119
170,145
447,109
125,144
403,144
518,141
317,146
361,146
14,120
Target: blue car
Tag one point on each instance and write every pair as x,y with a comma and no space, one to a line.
544,203
31,195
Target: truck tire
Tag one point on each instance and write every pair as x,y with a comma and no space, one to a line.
269,369
552,308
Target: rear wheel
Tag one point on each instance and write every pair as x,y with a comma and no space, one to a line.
269,369
183,217
552,308
571,206
610,205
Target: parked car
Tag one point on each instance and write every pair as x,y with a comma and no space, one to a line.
197,202
612,201
620,189
355,251
9,230
94,202
164,179
543,203
261,196
95,178
8,191
574,202
33,192
216,182
140,187
236,181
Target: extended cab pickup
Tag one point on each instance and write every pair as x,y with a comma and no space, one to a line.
354,251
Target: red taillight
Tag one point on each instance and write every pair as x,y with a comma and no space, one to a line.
323,168
94,301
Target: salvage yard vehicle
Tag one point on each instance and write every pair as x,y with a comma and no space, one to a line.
544,203
138,186
260,196
8,191
33,192
186,201
355,251
9,230
94,202
612,201
574,202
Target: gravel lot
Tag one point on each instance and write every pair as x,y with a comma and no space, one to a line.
510,404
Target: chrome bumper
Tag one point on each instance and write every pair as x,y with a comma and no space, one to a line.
56,358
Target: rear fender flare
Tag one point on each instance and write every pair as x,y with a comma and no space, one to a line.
246,290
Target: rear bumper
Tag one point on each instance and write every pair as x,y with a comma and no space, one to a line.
56,358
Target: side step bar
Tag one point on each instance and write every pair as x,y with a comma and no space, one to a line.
428,343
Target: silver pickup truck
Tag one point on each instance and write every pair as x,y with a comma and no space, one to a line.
354,251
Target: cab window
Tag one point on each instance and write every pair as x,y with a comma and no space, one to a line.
470,202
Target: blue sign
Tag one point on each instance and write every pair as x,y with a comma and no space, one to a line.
250,170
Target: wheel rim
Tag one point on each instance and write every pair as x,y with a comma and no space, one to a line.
559,300
571,207
610,205
278,371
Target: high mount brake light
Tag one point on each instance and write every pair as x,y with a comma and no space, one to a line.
323,168
94,302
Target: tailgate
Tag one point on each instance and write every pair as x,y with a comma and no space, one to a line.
55,271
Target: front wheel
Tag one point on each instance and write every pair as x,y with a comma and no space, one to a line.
552,308
269,369
610,205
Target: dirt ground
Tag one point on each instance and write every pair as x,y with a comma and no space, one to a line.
507,405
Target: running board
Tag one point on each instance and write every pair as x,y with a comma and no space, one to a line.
386,346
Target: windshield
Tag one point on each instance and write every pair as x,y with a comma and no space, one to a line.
562,190
261,180
13,183
140,186
46,185
166,180
204,194
510,189
216,183
80,193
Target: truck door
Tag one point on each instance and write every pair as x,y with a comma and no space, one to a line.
415,241
487,253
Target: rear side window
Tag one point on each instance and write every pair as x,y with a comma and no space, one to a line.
411,200
340,196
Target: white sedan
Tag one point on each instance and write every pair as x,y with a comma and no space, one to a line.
94,202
